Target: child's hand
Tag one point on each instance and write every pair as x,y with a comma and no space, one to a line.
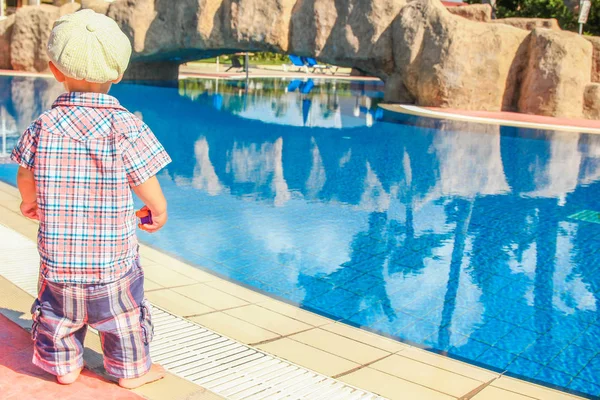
158,221
30,210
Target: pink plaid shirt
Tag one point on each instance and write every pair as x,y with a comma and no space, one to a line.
86,152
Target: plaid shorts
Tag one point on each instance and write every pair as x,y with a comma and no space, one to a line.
119,312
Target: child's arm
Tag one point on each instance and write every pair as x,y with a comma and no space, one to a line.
26,184
24,155
152,196
143,158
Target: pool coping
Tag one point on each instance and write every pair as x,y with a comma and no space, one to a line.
500,118
355,356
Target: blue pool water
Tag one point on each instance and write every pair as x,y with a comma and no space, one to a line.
455,237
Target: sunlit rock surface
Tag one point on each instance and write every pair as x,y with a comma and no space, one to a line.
424,53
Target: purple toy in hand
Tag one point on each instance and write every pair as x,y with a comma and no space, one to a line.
145,216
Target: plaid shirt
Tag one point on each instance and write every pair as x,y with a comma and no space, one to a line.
86,152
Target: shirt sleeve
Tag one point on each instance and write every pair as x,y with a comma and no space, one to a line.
144,156
24,152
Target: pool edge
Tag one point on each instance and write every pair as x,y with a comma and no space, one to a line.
455,116
363,372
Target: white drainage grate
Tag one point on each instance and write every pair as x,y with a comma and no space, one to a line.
222,365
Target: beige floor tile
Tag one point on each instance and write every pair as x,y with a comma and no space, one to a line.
191,271
27,230
203,394
92,354
390,386
148,253
166,277
531,390
92,341
426,375
15,303
159,258
18,223
494,393
365,337
340,346
235,328
9,195
9,201
5,187
268,319
210,296
11,205
171,387
309,357
151,285
480,374
295,312
177,303
238,291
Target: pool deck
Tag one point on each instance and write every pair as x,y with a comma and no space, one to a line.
208,71
360,358
503,118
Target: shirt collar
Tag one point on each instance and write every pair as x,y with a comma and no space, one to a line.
80,99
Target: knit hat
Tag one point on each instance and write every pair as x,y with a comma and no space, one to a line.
89,46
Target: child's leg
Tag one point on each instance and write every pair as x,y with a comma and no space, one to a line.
69,378
122,316
59,330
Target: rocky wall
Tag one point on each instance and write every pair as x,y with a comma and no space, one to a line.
425,54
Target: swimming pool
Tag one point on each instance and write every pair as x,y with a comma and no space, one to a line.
468,240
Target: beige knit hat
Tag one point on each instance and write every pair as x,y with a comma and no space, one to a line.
89,46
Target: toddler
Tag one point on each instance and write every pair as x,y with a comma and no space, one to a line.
79,162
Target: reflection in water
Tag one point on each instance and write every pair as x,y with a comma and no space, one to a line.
309,102
453,236
204,177
479,153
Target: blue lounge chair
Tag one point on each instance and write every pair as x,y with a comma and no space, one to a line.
297,62
312,63
307,86
294,85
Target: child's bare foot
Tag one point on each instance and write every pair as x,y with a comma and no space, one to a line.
69,378
156,372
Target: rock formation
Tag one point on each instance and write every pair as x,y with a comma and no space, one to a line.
424,53
596,58
558,71
529,24
474,12
6,29
591,107
446,61
69,8
100,6
30,36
